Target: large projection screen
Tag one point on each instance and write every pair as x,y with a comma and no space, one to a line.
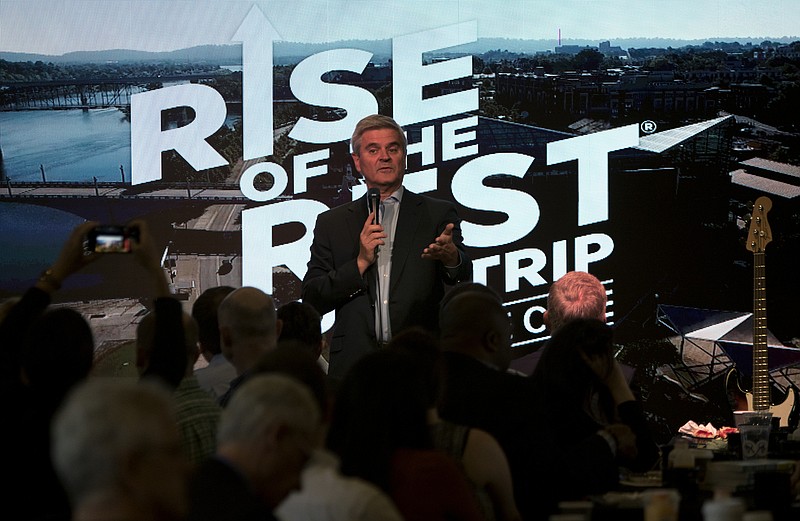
624,138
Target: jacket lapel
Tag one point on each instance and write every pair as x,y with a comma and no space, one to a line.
356,216
407,224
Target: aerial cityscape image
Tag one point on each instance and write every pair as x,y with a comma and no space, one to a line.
624,138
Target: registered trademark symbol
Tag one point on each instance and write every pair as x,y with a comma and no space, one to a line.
648,126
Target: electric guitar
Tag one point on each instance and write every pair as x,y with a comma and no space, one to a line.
759,398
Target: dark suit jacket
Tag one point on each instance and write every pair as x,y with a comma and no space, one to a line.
333,282
217,491
579,462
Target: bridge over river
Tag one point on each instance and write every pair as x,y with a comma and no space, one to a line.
88,93
57,193
120,202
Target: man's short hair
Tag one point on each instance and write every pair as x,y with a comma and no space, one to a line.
146,334
471,312
575,295
301,322
204,311
290,359
104,422
376,122
464,287
59,351
266,400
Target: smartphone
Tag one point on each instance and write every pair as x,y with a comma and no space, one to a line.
111,238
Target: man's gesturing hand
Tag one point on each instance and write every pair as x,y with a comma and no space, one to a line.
443,249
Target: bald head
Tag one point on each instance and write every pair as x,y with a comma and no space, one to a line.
475,323
575,295
248,326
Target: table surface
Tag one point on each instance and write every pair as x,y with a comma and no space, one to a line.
760,483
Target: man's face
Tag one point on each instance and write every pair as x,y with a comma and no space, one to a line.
283,468
381,159
161,475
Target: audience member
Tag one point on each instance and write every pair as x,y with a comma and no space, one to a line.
380,431
24,311
196,410
217,375
593,423
325,494
248,327
301,322
167,358
478,391
57,354
265,437
476,451
161,343
43,355
117,452
577,294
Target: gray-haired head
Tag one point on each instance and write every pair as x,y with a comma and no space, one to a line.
375,122
106,423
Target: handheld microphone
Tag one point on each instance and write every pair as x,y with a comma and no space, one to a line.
374,200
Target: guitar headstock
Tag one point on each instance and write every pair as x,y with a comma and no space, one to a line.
759,234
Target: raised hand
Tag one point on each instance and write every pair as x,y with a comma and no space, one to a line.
442,248
610,374
626,440
71,258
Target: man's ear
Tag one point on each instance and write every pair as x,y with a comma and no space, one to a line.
356,162
225,342
546,319
272,437
224,335
491,340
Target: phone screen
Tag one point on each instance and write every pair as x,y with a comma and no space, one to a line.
109,239
107,243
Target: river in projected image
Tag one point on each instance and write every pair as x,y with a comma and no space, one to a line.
68,145
30,239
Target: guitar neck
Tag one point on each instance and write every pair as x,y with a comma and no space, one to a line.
761,390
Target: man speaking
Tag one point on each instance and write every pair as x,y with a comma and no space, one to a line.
381,261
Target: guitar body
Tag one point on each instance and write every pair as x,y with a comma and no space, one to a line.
782,405
762,397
